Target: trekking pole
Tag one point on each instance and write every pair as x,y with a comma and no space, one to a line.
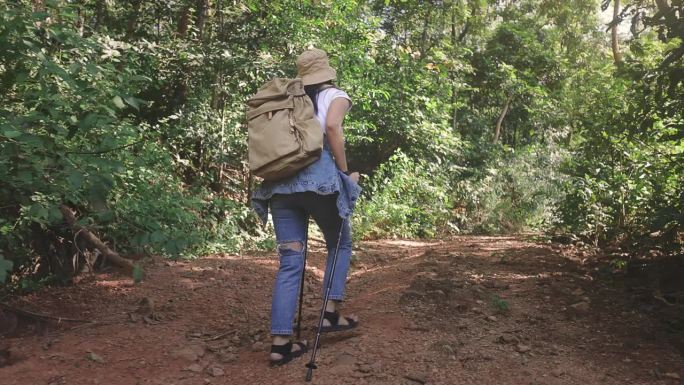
301,286
312,363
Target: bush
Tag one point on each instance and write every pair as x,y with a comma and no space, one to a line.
515,191
405,198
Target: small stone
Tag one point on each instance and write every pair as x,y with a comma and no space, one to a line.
578,292
507,339
195,368
199,349
358,374
491,318
258,346
522,348
673,376
558,372
420,378
580,307
216,371
186,353
227,358
95,357
445,347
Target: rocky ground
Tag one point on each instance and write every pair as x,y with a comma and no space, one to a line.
468,310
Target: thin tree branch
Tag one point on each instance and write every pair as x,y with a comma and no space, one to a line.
39,316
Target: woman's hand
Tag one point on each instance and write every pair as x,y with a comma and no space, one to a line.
355,176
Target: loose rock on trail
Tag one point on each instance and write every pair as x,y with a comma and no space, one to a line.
468,310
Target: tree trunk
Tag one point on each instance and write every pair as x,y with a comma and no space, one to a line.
499,121
80,23
663,6
452,73
464,32
108,253
617,56
132,24
424,35
100,14
183,22
514,139
202,8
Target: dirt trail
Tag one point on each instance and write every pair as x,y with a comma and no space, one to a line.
470,310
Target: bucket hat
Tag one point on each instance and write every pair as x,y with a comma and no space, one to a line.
313,67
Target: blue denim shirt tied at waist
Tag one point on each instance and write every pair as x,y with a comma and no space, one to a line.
322,177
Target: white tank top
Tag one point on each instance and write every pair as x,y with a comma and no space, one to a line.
324,99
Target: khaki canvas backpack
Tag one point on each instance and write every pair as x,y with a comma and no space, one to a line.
284,136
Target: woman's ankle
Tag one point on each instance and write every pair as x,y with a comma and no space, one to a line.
331,306
280,340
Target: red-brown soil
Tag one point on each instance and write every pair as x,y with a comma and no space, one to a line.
468,310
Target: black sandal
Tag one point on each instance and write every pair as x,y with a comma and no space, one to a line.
287,353
334,319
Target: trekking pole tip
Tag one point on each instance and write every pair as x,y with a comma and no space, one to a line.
309,374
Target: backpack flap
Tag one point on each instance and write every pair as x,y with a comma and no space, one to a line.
275,138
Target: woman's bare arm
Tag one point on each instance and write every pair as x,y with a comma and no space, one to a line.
336,112
333,125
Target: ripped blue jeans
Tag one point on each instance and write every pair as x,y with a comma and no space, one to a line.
290,213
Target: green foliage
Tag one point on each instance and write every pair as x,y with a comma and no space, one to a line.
138,273
65,110
5,267
512,191
132,114
626,170
500,304
76,130
410,198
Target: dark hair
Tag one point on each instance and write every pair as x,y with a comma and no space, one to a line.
312,91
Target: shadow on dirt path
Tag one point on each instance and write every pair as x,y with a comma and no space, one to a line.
468,310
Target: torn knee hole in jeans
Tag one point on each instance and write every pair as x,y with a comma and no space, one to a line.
290,246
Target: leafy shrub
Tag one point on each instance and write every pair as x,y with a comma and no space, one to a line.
515,191
408,198
66,110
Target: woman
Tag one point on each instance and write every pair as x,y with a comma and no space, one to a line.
324,190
